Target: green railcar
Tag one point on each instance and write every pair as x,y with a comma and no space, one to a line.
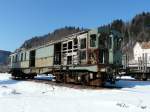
90,57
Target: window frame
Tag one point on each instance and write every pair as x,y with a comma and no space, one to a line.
84,45
91,42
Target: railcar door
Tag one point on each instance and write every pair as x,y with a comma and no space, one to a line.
57,54
32,58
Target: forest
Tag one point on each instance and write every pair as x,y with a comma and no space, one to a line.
136,30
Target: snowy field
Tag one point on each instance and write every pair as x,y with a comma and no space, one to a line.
26,96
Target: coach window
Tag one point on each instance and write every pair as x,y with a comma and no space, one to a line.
69,60
93,40
102,56
25,55
83,43
70,45
65,46
13,59
83,55
16,58
75,43
110,41
21,56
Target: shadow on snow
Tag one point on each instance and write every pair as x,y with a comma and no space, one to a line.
9,81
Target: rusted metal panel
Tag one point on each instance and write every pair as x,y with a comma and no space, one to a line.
43,62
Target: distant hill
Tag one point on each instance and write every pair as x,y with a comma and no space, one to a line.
4,60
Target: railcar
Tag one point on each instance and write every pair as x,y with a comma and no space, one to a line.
89,57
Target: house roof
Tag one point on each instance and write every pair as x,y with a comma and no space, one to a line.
145,45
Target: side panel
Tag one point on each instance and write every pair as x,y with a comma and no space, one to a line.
44,56
20,60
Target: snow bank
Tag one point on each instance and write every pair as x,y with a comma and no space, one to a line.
26,96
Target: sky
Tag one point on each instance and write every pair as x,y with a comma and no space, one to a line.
22,19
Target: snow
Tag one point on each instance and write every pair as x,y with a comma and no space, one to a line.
28,96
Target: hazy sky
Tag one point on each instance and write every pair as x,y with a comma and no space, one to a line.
23,19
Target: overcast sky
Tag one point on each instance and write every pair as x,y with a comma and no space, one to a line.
23,19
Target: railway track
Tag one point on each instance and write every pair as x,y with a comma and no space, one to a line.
77,86
71,85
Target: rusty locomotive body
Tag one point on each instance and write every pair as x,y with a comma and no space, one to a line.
89,57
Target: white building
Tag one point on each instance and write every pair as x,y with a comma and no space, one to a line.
141,51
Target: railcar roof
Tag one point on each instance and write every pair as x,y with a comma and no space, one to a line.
52,42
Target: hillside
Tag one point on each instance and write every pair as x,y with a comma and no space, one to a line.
138,29
55,35
4,55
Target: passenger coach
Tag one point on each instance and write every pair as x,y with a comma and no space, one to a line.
88,57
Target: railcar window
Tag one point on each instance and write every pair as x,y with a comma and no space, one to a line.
102,56
83,55
110,42
70,45
93,40
25,56
75,43
13,59
16,58
69,60
83,43
65,46
21,56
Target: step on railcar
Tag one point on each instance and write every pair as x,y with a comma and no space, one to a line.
88,57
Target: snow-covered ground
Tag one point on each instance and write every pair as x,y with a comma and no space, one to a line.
27,96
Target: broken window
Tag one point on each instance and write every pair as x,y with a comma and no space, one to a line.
57,53
93,40
75,43
70,45
32,58
83,55
83,43
65,46
69,60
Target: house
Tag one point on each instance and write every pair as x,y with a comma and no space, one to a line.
141,51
